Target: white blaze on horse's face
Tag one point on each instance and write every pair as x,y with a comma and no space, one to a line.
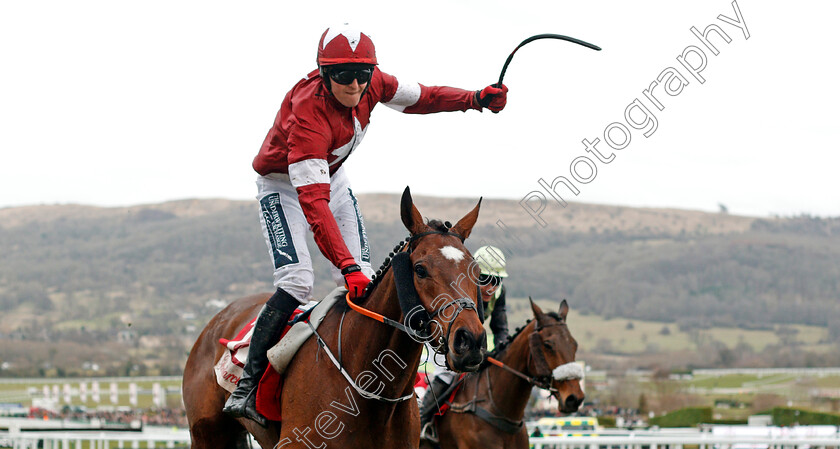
452,253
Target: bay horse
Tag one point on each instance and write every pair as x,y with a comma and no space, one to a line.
488,411
369,401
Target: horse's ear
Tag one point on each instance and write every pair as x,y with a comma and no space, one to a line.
538,314
411,217
535,308
465,224
564,310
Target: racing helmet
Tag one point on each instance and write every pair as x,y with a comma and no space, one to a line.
491,261
344,44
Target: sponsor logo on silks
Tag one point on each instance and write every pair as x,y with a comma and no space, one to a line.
282,246
363,240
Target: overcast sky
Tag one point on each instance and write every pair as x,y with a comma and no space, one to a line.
119,103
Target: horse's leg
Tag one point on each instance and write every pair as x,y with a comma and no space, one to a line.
203,397
209,427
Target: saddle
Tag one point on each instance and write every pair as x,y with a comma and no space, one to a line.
299,328
448,396
429,432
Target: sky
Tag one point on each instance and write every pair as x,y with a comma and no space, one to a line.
114,103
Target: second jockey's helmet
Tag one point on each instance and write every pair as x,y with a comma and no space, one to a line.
491,261
345,44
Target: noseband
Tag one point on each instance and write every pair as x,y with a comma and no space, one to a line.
417,319
542,373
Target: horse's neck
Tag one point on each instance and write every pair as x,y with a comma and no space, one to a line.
383,350
509,392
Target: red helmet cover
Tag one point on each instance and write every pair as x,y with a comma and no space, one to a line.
344,44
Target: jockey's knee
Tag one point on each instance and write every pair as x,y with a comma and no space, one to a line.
445,375
297,283
283,301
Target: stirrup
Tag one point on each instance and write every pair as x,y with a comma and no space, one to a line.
429,432
244,409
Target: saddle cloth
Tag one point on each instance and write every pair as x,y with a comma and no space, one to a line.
230,365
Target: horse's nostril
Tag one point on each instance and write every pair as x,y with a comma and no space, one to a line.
463,341
573,402
466,341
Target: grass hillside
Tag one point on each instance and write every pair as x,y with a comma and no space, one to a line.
130,288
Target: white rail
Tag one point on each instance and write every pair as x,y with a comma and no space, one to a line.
164,438
702,441
76,380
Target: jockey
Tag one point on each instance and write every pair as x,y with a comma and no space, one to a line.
491,262
303,186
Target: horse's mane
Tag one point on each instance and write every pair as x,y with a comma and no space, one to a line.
437,225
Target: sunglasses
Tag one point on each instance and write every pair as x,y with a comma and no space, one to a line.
485,279
345,77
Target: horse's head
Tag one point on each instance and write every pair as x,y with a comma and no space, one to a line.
445,280
552,356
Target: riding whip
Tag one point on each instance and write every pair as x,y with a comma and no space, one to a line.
542,36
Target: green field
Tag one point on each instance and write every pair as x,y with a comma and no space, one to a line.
747,393
15,391
733,381
629,336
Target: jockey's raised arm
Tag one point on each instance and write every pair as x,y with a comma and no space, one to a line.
302,185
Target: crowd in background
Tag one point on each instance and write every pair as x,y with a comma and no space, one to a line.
169,417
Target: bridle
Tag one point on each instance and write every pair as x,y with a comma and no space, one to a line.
543,374
407,296
541,379
417,319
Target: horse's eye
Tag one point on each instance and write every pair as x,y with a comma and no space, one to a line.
421,271
548,345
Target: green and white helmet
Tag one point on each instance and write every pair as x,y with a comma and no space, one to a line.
491,261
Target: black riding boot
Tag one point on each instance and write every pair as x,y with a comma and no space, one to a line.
267,329
431,399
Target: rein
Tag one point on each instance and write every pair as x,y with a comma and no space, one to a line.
537,381
364,393
378,317
461,303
